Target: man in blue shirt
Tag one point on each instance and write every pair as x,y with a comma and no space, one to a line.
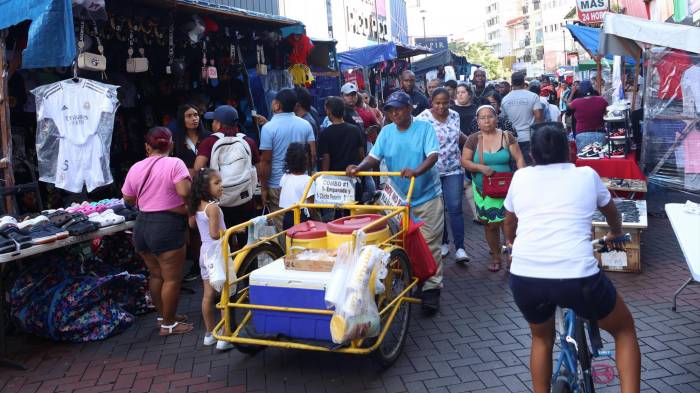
411,147
276,135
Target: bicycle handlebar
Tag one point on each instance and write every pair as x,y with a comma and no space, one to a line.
617,243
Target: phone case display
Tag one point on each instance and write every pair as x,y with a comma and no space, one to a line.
75,120
672,119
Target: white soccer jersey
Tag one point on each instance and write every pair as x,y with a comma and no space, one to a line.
82,115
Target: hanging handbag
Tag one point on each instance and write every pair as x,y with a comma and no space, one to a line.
91,61
496,185
135,64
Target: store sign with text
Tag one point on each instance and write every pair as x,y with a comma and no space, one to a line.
592,11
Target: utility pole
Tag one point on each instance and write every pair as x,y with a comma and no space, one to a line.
423,12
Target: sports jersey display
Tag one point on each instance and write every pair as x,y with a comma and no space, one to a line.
74,133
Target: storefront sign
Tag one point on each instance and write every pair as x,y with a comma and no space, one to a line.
437,44
592,11
335,190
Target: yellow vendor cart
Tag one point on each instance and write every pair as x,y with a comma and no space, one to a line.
256,316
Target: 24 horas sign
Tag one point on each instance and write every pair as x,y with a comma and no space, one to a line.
592,11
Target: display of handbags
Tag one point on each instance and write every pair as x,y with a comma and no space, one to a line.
136,64
91,61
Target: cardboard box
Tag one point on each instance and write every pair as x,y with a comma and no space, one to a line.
613,261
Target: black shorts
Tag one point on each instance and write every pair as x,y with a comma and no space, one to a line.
159,232
537,298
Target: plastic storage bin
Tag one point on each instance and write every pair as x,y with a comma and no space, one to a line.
340,231
273,285
309,234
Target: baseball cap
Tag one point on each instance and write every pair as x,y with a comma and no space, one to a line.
398,99
348,88
225,114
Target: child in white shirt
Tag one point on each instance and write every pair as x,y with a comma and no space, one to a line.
294,181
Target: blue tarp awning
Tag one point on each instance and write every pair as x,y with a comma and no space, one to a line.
51,39
212,6
589,39
363,57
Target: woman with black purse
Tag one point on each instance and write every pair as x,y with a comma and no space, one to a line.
488,155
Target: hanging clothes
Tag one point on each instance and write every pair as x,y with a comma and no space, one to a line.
75,121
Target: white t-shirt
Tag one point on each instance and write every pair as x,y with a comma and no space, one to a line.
293,187
554,112
555,205
76,108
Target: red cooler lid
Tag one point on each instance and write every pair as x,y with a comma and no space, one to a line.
307,230
347,225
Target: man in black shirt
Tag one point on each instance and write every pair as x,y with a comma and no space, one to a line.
340,144
466,108
480,86
408,85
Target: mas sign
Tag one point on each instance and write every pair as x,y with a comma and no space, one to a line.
592,11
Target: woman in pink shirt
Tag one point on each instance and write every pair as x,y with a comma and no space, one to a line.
159,186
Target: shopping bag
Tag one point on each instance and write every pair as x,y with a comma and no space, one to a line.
422,261
213,255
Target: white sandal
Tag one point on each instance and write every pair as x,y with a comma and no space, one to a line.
184,319
171,329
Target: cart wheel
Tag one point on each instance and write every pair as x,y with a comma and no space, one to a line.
258,257
397,279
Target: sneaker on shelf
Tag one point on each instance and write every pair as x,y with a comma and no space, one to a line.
444,250
209,340
618,152
224,345
461,256
591,152
620,133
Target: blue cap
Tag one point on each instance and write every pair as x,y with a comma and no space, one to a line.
398,99
225,114
585,88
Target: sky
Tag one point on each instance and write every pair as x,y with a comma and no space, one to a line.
452,18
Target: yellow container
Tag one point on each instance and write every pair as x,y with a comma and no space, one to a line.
334,240
309,234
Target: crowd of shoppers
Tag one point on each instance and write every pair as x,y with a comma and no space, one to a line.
459,135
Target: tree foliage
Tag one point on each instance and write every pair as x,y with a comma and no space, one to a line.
480,53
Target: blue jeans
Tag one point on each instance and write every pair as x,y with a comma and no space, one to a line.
586,138
452,191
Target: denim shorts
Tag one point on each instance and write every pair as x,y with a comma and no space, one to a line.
158,232
537,298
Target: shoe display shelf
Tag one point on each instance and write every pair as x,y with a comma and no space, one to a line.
619,135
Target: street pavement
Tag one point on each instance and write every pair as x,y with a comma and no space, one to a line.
478,342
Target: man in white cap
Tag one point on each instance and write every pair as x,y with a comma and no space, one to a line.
349,92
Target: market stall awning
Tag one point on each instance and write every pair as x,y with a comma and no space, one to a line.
515,21
437,60
214,7
589,39
51,38
624,35
362,57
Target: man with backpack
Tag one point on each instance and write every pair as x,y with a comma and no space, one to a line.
235,157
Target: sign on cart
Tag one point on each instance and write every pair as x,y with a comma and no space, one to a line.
592,11
335,190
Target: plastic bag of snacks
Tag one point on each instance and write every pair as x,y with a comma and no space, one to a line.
356,315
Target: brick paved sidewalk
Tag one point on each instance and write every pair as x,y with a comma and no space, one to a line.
478,342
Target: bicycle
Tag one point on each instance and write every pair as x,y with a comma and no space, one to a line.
573,371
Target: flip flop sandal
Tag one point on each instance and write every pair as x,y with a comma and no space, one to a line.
167,330
60,217
54,230
40,235
6,245
495,267
21,240
178,318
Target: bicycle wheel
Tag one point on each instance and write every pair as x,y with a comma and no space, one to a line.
584,357
398,278
258,257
